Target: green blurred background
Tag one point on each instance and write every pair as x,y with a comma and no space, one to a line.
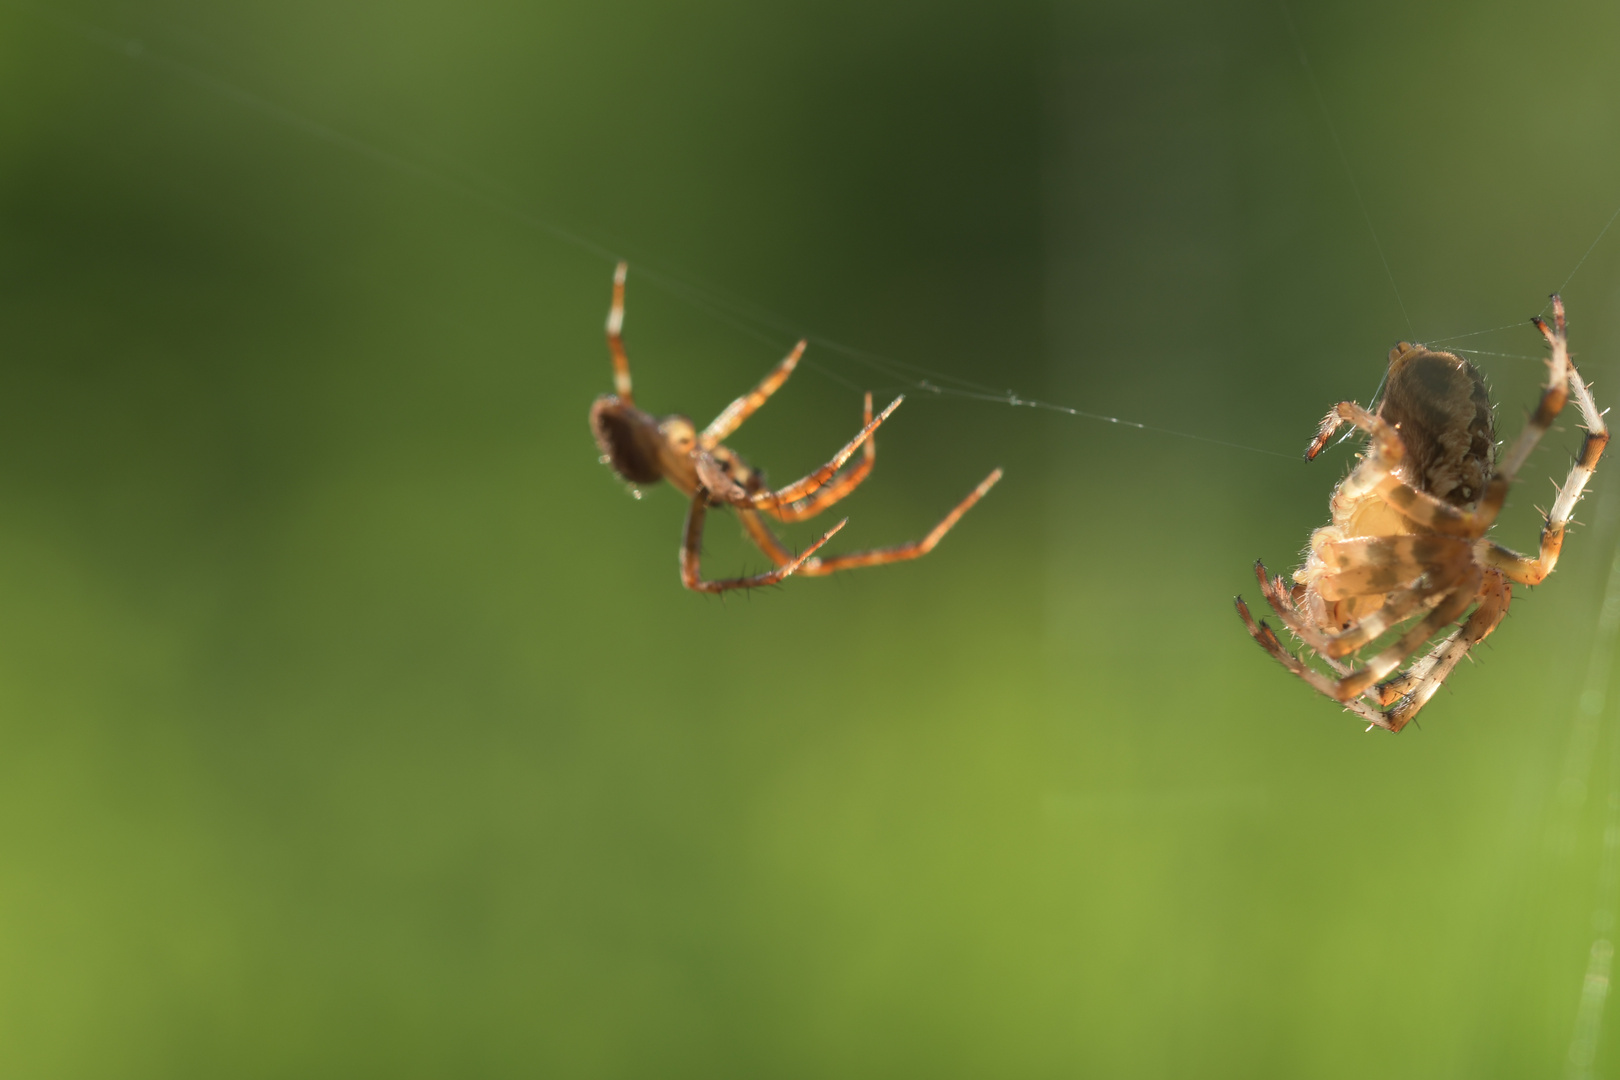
353,721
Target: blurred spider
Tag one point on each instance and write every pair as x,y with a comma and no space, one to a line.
644,449
1407,538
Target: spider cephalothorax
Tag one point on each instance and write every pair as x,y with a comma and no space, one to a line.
644,449
1405,553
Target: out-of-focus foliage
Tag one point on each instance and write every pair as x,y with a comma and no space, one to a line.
352,719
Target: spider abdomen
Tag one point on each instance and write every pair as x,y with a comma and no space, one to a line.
1439,404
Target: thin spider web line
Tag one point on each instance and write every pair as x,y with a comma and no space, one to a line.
1589,249
742,315
1596,240
1476,333
1344,160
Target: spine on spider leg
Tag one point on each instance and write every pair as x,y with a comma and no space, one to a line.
1592,447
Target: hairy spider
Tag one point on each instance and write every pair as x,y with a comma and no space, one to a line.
1406,546
644,449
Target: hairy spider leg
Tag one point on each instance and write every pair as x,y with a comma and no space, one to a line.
1281,599
1409,692
836,488
1385,661
1319,682
692,555
732,416
1402,603
761,534
808,485
615,337
1522,568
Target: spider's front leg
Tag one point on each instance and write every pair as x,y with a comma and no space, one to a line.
1384,452
615,337
732,416
692,554
1522,568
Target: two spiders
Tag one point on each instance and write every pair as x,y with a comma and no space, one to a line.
1403,558
644,449
1405,552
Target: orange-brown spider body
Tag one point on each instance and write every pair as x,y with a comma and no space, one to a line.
1405,552
644,449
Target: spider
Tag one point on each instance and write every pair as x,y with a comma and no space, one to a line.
1406,544
644,449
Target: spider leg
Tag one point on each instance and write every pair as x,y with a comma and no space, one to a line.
1319,682
808,485
1522,568
1409,692
838,487
1366,566
1353,685
1277,594
1432,513
615,337
1553,395
732,416
1401,605
1384,450
914,549
691,555
761,534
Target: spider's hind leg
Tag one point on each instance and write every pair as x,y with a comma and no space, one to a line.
914,549
692,555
